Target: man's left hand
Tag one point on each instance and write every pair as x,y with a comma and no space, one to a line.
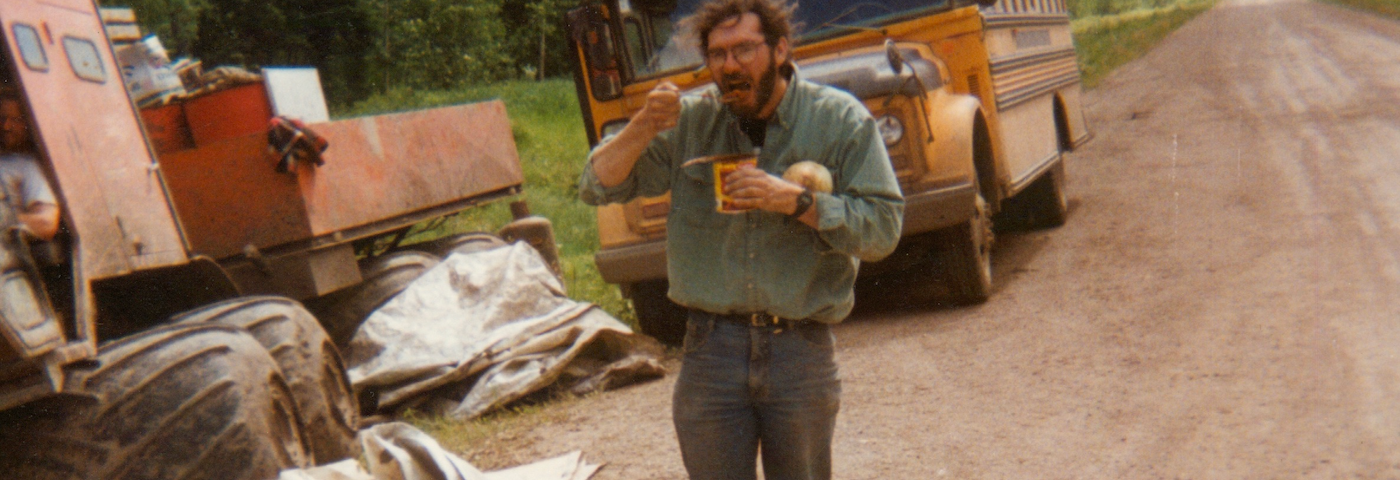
751,187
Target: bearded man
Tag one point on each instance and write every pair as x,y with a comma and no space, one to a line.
762,287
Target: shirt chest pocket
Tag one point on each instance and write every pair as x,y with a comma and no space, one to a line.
693,198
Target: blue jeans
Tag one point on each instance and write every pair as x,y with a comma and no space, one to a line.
744,390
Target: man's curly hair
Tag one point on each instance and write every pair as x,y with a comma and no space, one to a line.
774,16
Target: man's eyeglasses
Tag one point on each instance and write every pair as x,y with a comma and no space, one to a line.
743,53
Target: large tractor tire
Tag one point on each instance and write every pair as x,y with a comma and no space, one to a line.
175,402
657,315
967,256
344,311
311,364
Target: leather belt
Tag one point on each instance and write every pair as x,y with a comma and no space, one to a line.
762,320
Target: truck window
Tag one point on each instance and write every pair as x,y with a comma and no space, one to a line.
651,40
83,57
656,45
30,48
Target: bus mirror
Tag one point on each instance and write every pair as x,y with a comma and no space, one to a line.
591,31
895,58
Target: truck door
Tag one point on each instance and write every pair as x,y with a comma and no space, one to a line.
113,196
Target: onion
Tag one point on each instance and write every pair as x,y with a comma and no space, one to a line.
809,174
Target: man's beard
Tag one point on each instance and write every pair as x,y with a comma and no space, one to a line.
763,94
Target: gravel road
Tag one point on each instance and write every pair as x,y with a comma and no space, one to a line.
1224,301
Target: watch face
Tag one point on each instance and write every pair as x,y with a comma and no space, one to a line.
804,202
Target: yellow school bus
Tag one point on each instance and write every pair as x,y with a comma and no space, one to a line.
976,104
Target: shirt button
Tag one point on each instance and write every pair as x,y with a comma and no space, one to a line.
750,286
753,255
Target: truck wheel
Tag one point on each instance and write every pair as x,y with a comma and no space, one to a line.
1046,200
968,256
309,361
657,315
344,311
177,401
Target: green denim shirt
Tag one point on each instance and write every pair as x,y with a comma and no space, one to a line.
760,261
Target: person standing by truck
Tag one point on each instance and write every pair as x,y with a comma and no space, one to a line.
761,287
24,184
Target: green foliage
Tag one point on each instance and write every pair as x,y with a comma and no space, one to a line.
540,45
332,35
363,47
1107,42
1089,8
439,43
1388,8
174,21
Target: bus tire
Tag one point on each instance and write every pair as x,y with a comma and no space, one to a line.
967,256
176,401
311,364
1047,202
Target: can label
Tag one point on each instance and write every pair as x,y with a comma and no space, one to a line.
723,202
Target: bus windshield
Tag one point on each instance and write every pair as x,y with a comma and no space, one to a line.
657,44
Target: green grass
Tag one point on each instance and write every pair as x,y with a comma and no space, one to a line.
1107,42
1387,8
549,135
485,441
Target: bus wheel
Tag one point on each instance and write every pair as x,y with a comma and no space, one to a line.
967,256
177,401
309,361
657,315
1046,199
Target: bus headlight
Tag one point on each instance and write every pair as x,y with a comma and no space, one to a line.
891,129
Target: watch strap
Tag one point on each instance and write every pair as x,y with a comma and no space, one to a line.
805,200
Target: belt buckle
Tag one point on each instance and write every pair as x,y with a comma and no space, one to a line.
765,320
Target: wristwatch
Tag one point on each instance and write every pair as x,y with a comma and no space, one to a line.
804,202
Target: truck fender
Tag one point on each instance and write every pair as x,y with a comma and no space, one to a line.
955,120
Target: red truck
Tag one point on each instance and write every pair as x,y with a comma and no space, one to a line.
162,334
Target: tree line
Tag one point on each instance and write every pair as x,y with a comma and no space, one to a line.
362,47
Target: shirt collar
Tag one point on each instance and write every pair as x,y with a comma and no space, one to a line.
788,106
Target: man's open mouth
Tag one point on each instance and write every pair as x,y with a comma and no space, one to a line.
735,89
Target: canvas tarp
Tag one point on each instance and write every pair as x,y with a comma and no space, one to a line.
397,451
497,321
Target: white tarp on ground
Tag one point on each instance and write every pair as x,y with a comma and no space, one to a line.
499,318
397,451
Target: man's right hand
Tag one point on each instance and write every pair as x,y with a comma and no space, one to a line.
662,109
613,161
